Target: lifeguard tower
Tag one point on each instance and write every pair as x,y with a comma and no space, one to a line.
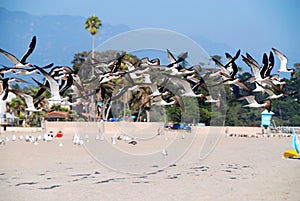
266,117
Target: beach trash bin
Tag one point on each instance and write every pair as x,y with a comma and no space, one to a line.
59,134
266,117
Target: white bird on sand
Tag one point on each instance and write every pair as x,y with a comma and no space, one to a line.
86,137
164,152
36,141
2,141
97,137
113,139
39,138
29,138
101,137
76,139
14,138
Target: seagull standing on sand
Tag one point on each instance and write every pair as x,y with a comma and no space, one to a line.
113,139
164,152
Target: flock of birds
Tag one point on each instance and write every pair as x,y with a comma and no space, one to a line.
57,81
159,84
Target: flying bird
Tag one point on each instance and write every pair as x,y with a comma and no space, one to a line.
54,87
252,102
28,100
283,63
21,63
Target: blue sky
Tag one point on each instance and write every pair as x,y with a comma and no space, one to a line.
250,25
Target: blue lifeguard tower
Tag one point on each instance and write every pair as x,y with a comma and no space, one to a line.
266,117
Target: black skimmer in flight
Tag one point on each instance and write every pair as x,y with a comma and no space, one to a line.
230,64
24,71
146,62
6,85
111,66
261,75
5,70
54,88
270,65
283,63
252,102
21,63
174,61
28,100
210,99
183,85
236,82
223,72
162,102
175,66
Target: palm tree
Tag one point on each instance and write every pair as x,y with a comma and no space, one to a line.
17,106
92,24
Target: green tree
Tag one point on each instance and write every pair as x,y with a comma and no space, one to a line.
297,74
17,106
78,60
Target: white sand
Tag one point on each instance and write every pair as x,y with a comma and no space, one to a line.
236,169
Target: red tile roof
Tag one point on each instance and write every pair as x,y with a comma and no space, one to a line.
56,114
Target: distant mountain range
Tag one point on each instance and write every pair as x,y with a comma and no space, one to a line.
59,37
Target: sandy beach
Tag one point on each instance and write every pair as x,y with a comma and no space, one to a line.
236,168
